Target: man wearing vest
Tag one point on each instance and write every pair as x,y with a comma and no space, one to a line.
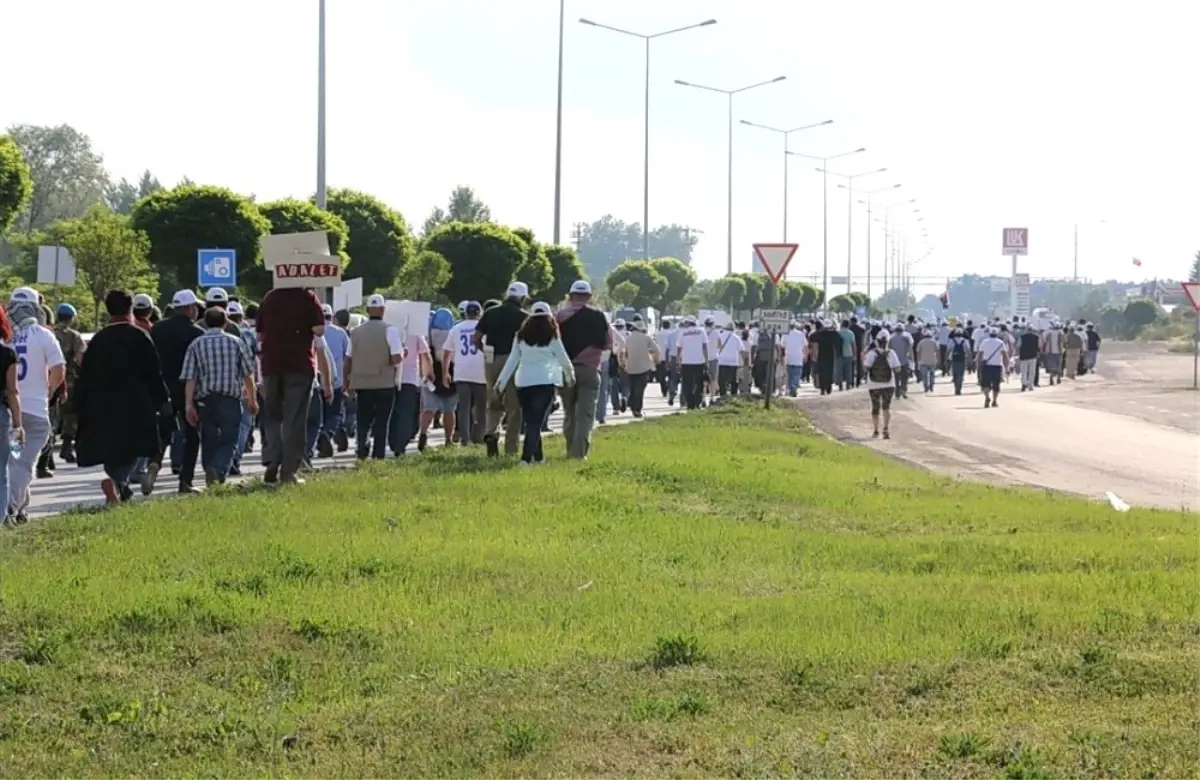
586,336
372,355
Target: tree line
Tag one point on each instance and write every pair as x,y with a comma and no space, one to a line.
54,191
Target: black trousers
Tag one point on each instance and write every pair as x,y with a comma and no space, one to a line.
825,376
637,391
373,415
727,380
692,379
191,445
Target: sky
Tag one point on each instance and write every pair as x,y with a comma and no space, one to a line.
1021,114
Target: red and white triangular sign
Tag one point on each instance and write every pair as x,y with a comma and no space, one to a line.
1192,291
775,258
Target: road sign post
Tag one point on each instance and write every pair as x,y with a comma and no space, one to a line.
1192,291
1014,243
216,267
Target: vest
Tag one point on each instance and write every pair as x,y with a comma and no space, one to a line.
370,359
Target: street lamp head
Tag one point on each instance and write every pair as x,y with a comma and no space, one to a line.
707,22
881,170
683,83
896,186
587,21
826,122
861,149
778,78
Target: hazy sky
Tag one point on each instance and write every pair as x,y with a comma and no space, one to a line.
1039,114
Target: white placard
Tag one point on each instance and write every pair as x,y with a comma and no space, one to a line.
775,318
55,266
284,245
349,295
407,316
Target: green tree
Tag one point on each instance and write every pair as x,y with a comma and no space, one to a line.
680,278
423,277
1139,314
121,196
465,206
650,283
789,295
842,304
810,297
182,220
484,258
436,218
535,269
566,269
730,292
16,185
898,299
380,240
1193,276
608,242
624,294
68,177
108,252
291,215
756,285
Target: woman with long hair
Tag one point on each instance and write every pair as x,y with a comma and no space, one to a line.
539,364
10,414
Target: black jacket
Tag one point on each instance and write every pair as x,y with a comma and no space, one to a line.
172,336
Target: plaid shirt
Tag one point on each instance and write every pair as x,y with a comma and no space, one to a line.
219,362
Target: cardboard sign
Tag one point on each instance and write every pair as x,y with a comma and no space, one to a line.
308,271
408,317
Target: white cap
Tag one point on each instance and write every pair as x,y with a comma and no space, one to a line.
216,295
143,301
462,305
326,309
540,309
619,322
234,308
518,290
24,294
709,320
581,287
184,298
376,301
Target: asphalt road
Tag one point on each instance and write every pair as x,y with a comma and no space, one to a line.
1131,429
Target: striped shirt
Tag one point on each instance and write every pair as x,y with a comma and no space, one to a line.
218,362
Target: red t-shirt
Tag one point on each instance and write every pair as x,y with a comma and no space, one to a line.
285,321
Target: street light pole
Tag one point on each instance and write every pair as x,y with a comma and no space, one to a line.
850,218
868,202
786,134
729,93
825,211
321,190
646,140
558,139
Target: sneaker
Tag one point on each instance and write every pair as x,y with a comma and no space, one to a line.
886,435
342,440
211,478
67,453
271,475
987,403
493,445
874,434
422,440
147,481
995,403
109,488
189,490
324,446
235,470
45,473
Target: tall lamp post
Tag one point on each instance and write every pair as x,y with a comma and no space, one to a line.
1075,264
562,13
646,149
785,134
850,216
729,93
825,210
321,191
869,193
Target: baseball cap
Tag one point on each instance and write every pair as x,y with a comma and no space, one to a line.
235,308
518,290
143,301
472,307
581,287
375,301
540,309
24,294
66,310
326,309
709,321
462,305
216,295
184,298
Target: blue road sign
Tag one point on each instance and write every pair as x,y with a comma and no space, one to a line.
861,311
216,267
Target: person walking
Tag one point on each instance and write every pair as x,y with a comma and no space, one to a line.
11,431
795,352
373,358
470,375
586,336
691,353
332,434
732,354
290,327
902,343
41,370
537,364
1091,346
993,359
496,331
237,316
828,345
881,363
1029,346
641,356
218,377
120,393
1075,344
928,353
70,341
438,393
172,336
958,357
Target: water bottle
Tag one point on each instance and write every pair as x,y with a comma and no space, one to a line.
14,444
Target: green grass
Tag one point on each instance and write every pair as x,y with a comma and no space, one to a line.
717,594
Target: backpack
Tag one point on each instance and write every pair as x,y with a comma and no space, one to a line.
881,370
959,353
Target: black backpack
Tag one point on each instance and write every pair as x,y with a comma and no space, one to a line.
881,369
959,353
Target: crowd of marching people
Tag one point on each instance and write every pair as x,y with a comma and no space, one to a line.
199,387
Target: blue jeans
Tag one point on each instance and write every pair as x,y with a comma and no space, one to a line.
316,414
846,372
333,414
927,374
122,473
403,426
535,404
795,377
244,428
602,396
220,424
957,370
5,455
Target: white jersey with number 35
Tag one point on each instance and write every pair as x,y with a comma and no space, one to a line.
37,352
466,357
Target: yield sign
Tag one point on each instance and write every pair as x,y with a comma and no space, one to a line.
775,258
1192,291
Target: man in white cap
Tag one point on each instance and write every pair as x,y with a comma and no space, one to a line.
172,336
691,352
373,355
470,375
41,370
586,336
143,310
497,329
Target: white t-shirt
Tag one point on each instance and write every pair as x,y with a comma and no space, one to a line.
669,342
37,353
713,343
691,346
869,360
410,369
978,336
661,341
729,349
992,350
795,347
464,355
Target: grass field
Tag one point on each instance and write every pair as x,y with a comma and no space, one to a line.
718,594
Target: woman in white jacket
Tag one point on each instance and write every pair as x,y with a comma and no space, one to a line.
539,364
